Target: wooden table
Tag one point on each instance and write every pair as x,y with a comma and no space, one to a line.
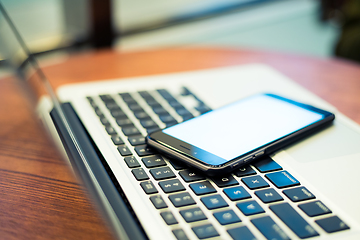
39,196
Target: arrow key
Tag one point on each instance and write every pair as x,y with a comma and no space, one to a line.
153,161
170,186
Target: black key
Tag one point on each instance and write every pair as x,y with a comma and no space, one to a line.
184,112
282,179
162,173
205,231
110,130
158,202
127,97
250,208
315,208
237,193
91,100
167,118
130,131
145,94
169,218
165,94
293,220
203,109
332,224
180,234
214,202
135,107
268,195
104,121
112,105
131,162
140,174
118,114
298,194
182,199
175,104
160,111
244,171
141,115
185,91
148,123
170,186
226,217
176,164
124,150
266,165
225,181
143,150
241,233
169,124
187,117
153,103
191,176
193,215
117,140
153,161
98,112
148,187
136,140
269,228
106,98
124,122
202,188
255,182
153,129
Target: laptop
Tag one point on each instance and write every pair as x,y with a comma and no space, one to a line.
101,127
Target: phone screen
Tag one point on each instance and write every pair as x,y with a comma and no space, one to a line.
241,127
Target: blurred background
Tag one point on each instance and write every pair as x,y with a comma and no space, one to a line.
307,27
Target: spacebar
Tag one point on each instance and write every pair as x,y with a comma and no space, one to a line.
293,220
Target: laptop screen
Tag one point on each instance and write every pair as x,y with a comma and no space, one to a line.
17,56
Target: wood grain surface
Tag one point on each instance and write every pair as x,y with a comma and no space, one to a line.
39,196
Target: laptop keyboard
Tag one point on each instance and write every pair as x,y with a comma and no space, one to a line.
258,195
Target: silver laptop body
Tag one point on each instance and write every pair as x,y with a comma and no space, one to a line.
100,127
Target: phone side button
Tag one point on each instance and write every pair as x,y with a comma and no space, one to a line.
258,154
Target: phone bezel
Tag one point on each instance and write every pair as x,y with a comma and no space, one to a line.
194,156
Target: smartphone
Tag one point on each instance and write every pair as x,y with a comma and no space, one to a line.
224,139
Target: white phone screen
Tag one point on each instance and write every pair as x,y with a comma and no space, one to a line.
243,126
